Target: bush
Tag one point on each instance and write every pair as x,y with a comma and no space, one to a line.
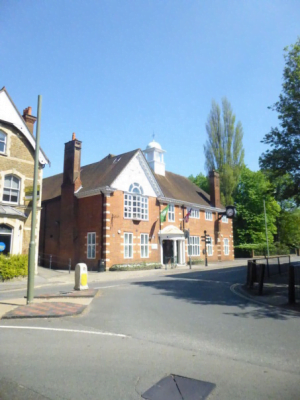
135,267
13,266
254,249
196,261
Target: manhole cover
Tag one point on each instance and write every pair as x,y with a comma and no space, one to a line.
175,387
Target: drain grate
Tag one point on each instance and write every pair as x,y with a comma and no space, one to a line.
175,387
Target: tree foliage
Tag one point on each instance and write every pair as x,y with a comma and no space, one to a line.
249,224
289,228
284,155
224,148
201,181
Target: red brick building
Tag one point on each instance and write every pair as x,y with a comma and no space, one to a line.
111,210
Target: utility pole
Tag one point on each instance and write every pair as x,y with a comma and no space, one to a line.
31,255
266,225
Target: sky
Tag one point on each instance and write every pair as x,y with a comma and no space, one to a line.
116,72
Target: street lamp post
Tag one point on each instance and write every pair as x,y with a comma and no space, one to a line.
31,255
266,225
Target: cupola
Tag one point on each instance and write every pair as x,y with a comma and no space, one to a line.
155,157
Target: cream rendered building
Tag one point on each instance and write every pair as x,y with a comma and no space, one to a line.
17,147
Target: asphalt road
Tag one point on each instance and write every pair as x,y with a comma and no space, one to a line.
137,332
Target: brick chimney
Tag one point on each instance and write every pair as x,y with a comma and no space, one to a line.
29,119
214,181
72,163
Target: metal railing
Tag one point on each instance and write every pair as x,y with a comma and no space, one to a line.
54,262
262,270
294,283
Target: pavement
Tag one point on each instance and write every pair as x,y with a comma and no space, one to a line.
73,302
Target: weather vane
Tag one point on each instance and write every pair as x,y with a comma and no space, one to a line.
153,136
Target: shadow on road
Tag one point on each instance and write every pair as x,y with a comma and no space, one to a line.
213,288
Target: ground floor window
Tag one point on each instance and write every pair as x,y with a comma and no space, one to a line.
144,245
194,246
226,247
209,246
5,239
128,245
91,245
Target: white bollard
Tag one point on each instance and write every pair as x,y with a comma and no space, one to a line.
81,277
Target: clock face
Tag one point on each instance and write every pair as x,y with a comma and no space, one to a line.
230,212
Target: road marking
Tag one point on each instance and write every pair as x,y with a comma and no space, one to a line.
106,287
261,303
64,330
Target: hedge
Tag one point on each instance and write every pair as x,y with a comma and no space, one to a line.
135,267
13,266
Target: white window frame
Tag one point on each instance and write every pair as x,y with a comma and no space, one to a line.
128,245
135,204
171,213
144,243
11,189
208,216
195,214
194,246
91,245
226,246
3,139
209,246
225,219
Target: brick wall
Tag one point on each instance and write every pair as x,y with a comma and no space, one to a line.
104,215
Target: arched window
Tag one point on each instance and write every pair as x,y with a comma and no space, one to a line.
2,142
136,188
11,191
135,204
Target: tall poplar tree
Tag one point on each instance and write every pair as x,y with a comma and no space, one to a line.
224,150
284,156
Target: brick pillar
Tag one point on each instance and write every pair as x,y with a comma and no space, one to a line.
106,218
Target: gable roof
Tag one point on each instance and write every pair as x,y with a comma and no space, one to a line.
102,174
180,188
10,114
93,176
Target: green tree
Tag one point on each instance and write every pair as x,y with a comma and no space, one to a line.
224,150
289,228
201,181
249,224
284,155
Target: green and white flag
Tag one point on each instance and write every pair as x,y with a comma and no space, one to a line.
163,214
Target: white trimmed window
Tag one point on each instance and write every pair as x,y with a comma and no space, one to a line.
225,219
194,246
171,213
135,205
2,142
208,215
226,247
144,245
91,245
11,190
128,245
195,214
209,246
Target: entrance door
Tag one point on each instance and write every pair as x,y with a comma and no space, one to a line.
5,239
167,251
